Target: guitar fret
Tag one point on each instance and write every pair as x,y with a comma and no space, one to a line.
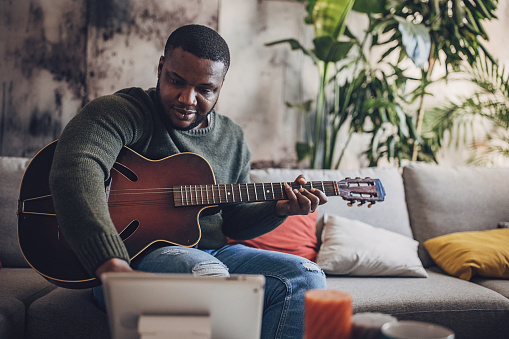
194,195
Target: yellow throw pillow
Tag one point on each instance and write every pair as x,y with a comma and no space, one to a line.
465,254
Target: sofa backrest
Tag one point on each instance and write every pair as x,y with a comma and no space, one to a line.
11,173
391,214
444,200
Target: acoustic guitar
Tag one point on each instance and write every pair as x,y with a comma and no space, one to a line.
150,201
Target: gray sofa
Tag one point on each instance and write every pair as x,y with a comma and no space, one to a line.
423,201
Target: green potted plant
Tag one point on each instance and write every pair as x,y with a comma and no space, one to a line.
380,99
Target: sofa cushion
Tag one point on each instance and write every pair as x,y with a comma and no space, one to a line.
391,214
470,310
12,318
66,313
19,287
11,172
297,235
498,285
444,200
23,284
351,247
465,254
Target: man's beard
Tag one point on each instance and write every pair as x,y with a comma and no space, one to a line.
190,127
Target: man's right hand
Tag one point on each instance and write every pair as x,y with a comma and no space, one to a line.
113,265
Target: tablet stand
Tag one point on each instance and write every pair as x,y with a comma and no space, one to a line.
174,327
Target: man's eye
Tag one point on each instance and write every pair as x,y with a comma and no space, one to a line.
205,90
176,82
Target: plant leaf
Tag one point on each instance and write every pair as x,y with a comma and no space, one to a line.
303,150
329,17
294,45
369,6
417,41
330,50
304,107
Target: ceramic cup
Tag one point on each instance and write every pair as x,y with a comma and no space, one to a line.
406,329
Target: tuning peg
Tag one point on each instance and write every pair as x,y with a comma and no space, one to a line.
350,204
362,202
371,204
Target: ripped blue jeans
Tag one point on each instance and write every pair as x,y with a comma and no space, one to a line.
288,277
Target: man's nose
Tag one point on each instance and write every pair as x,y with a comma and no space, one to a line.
188,96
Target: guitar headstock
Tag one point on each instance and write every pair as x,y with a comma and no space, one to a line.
361,190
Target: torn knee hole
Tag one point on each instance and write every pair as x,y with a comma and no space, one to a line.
213,269
309,266
174,251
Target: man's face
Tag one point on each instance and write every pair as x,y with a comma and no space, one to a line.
188,88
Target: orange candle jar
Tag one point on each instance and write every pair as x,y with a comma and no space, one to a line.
327,315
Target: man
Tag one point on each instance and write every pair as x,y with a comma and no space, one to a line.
178,116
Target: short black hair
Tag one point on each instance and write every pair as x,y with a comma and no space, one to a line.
200,41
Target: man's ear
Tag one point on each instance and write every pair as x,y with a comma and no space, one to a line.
160,66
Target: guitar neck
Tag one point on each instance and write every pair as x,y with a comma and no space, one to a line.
195,195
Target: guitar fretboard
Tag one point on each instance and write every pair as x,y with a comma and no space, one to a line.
195,195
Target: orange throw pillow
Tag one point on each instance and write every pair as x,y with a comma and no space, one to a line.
297,235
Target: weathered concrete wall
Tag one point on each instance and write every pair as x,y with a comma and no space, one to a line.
56,55
59,54
43,71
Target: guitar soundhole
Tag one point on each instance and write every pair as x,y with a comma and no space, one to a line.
129,230
125,171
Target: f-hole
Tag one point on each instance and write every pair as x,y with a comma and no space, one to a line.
125,171
129,230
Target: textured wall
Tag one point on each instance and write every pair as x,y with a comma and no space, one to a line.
56,55
43,71
59,54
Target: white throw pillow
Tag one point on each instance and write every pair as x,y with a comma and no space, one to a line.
351,247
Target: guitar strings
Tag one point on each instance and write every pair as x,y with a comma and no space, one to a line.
236,187
189,195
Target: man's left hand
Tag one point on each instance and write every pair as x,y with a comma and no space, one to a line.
300,201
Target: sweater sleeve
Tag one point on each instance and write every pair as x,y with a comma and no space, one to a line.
86,150
248,221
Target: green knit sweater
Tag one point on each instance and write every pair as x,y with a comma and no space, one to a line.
89,145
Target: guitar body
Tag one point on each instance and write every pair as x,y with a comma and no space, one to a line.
141,205
150,202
